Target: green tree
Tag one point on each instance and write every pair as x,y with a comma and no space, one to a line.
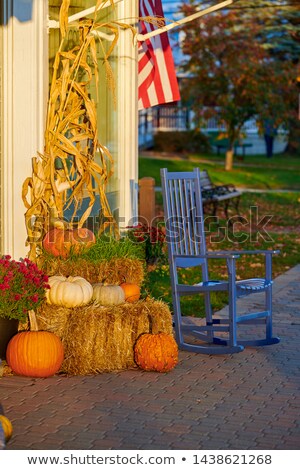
281,37
233,73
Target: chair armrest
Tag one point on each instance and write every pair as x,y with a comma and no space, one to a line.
222,255
189,261
209,254
253,252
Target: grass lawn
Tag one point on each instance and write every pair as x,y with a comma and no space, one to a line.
280,172
270,220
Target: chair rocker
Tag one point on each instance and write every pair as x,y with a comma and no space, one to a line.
187,248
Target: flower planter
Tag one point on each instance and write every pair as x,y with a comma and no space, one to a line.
8,328
23,286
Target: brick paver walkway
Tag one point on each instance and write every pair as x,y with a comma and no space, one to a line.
245,401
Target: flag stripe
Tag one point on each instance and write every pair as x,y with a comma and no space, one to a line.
156,71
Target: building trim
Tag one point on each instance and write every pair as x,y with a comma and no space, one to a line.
24,106
128,118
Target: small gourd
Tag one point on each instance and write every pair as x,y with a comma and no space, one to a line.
132,291
72,291
108,294
7,427
156,352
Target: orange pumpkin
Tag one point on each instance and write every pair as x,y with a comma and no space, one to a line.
156,352
60,242
35,353
132,291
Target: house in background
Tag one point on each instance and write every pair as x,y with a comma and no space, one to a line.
29,37
175,117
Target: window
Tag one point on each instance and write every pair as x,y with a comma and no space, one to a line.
107,112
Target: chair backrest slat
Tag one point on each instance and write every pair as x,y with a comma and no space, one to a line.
184,216
183,212
189,208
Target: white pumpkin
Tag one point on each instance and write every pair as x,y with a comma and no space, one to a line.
69,291
108,294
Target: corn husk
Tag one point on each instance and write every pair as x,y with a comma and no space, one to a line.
66,173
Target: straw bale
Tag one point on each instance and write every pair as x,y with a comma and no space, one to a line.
113,271
101,339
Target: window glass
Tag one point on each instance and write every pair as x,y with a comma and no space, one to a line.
106,111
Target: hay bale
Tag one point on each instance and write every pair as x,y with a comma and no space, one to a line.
113,271
101,339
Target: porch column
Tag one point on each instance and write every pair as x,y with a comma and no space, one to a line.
25,86
127,116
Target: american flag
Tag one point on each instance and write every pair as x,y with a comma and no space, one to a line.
157,82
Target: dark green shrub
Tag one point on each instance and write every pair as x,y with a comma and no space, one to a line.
181,141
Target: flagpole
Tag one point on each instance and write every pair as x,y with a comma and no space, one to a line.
83,13
156,32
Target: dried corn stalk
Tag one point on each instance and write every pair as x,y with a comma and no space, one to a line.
67,172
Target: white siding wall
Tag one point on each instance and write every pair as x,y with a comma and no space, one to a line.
24,98
1,132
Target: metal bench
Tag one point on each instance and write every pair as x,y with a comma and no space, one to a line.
213,195
223,144
236,146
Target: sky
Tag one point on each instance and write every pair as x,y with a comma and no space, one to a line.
170,8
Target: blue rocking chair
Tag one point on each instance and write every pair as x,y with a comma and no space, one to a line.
184,221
